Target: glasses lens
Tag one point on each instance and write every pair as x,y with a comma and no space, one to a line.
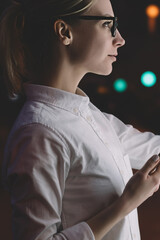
110,23
115,25
114,28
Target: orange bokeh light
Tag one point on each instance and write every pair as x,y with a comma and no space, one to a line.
152,11
102,90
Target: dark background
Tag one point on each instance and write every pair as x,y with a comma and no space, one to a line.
139,106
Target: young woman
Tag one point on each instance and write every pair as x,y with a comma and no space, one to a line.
67,165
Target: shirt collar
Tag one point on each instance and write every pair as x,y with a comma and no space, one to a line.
57,97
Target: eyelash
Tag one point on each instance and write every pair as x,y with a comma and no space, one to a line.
106,24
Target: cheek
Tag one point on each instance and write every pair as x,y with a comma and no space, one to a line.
80,50
97,44
94,48
90,46
98,49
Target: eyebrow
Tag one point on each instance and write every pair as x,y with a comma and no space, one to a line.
95,17
108,15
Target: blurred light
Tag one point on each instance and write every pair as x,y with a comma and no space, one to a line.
148,79
102,90
152,11
151,25
120,85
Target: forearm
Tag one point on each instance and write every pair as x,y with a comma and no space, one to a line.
140,187
103,222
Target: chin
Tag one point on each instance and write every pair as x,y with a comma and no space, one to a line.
104,72
103,69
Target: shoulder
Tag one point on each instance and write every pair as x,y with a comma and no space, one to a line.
34,146
36,135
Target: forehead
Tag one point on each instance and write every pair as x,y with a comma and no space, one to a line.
101,7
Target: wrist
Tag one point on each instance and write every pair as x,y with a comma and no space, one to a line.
125,205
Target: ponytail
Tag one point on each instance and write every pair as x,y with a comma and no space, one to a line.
11,48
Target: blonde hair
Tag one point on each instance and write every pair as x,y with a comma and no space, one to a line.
26,38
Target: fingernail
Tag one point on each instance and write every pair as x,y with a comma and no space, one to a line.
155,158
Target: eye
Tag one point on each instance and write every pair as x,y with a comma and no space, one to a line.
108,24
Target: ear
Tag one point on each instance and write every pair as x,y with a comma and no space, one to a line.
63,32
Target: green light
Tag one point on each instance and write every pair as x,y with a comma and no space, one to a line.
148,79
120,85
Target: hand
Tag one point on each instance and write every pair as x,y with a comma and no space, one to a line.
143,184
140,187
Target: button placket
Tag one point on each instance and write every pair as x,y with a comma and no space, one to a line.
89,118
76,110
109,145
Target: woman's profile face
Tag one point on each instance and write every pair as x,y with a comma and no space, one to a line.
93,47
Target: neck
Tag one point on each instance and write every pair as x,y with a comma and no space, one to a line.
66,75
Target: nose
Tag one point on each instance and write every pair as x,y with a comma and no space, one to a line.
118,40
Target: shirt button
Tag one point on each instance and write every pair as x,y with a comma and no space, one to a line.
134,236
75,110
122,172
89,118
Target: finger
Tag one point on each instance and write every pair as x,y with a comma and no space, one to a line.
150,164
156,170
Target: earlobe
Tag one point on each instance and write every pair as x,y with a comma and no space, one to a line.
63,32
66,42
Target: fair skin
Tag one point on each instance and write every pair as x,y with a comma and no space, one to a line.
78,53
140,187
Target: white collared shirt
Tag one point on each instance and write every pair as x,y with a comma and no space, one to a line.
65,161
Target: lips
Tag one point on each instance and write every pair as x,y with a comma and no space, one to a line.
113,55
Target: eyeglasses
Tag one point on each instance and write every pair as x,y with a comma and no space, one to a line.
112,25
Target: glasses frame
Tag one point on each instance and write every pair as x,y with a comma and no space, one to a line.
88,17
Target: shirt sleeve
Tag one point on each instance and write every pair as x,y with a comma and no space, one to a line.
139,146
39,162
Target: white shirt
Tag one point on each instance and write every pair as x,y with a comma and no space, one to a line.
65,161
